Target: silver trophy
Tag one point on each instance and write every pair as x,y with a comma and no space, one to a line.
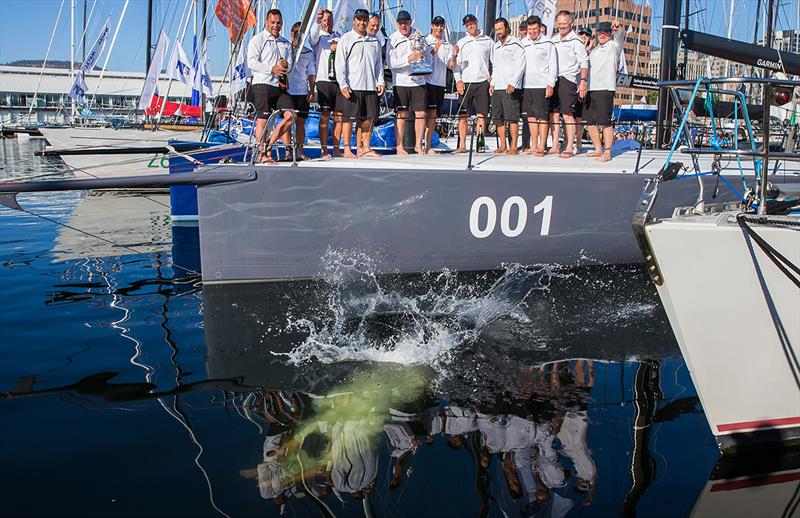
421,67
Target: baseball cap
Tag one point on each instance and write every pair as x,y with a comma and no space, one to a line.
361,14
469,18
437,20
585,30
604,27
403,16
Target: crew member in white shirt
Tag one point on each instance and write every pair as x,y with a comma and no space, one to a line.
323,38
572,84
541,73
603,64
269,56
409,90
508,67
440,51
359,70
301,91
470,64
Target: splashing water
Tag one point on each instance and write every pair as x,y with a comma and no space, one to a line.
370,322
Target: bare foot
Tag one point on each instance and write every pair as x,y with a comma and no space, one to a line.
369,153
337,153
513,151
459,150
349,154
605,157
540,152
596,152
499,151
553,151
529,151
432,151
326,156
401,151
419,151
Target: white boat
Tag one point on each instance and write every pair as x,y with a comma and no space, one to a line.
729,279
116,165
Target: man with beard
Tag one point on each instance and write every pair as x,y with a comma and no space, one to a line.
508,65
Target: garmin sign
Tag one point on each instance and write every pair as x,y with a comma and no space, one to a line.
741,52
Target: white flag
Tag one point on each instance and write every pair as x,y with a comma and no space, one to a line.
343,14
180,67
151,82
240,72
78,90
623,65
202,81
544,9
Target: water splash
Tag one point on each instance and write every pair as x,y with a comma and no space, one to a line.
369,320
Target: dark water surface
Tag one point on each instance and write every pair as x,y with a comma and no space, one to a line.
128,388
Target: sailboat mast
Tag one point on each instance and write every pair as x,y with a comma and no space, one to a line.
149,48
489,14
83,43
72,49
669,58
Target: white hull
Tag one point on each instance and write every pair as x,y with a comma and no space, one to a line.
738,338
105,166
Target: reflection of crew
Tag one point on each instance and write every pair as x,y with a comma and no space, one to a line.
354,459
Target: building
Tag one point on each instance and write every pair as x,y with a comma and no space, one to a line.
116,94
515,23
785,41
635,17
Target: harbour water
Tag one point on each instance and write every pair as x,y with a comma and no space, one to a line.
128,388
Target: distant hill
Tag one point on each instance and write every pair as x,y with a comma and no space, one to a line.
37,63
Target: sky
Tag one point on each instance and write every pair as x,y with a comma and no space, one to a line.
26,25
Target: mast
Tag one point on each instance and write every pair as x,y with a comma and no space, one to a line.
83,43
149,48
669,58
72,49
489,14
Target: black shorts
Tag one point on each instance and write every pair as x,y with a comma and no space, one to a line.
565,97
414,98
435,98
599,108
535,104
295,102
505,106
327,93
362,104
265,99
477,95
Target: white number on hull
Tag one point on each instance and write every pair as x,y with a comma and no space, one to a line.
545,206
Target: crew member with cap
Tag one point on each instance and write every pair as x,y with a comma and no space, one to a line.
541,73
301,91
603,64
526,134
359,69
269,56
572,84
470,64
409,90
508,66
440,51
323,38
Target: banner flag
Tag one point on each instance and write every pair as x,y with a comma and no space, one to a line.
544,9
151,81
202,81
78,91
236,15
343,14
240,72
180,67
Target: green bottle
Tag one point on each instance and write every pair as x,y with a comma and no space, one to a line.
331,68
481,143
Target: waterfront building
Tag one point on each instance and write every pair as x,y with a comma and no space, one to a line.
117,94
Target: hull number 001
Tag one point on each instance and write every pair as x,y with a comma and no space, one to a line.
510,227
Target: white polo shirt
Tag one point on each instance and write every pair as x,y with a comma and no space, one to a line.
474,55
321,43
305,67
439,60
541,62
263,52
572,56
604,62
397,52
508,63
359,64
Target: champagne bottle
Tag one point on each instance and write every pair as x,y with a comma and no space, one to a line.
481,143
331,68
